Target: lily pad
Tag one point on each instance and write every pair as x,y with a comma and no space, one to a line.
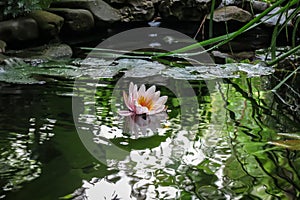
232,70
23,73
27,73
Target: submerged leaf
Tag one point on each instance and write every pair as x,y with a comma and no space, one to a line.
290,135
289,144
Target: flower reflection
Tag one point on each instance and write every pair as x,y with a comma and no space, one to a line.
143,125
141,101
103,189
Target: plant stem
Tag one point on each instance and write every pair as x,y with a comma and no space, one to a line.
284,80
283,56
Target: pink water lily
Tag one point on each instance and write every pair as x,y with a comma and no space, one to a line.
141,101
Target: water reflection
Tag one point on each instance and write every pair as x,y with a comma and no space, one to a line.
28,118
104,189
229,155
17,164
158,149
144,125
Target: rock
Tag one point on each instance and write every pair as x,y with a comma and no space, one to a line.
46,52
256,6
248,5
2,7
185,10
228,13
76,20
2,50
116,1
2,46
19,30
58,51
102,11
142,10
49,24
274,20
2,58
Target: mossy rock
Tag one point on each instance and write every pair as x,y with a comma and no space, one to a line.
233,13
18,30
101,10
76,20
49,23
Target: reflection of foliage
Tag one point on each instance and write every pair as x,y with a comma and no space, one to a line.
252,158
194,181
288,92
249,166
16,164
139,144
238,162
23,131
103,102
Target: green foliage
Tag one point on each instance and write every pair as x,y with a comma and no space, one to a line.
14,8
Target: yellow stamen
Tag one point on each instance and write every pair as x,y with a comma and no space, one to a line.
145,102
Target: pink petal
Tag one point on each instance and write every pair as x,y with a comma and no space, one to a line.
140,109
156,96
126,101
132,96
125,113
142,90
150,92
162,100
134,93
157,110
131,86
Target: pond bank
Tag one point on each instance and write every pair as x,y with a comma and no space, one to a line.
83,23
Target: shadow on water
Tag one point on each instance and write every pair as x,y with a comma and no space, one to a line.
246,144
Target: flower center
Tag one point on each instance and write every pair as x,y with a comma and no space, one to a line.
145,102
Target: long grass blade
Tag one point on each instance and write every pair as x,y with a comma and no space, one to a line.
283,56
284,80
274,36
226,38
294,33
278,28
121,51
210,31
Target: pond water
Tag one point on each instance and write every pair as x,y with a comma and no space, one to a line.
228,138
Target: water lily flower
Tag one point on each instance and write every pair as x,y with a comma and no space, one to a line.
141,101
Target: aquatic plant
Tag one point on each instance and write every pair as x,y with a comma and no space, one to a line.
141,101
